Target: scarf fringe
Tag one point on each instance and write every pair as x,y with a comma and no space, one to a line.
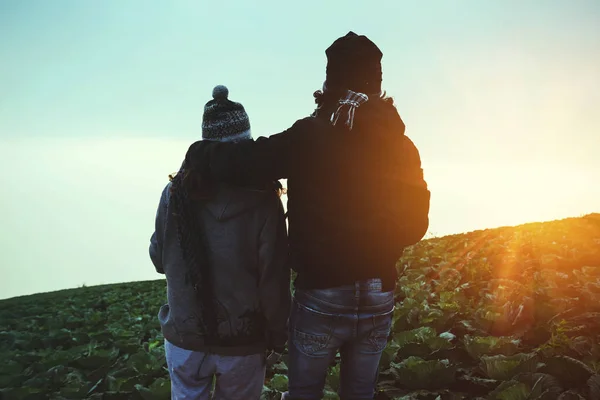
347,107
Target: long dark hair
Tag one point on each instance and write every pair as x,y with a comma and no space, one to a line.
189,189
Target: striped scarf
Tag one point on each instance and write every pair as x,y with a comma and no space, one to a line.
347,107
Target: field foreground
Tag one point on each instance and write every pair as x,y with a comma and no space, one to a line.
510,313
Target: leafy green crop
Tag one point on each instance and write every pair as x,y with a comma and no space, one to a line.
510,313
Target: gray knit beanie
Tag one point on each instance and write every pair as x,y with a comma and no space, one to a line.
225,120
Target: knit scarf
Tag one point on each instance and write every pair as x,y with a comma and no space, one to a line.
347,107
191,238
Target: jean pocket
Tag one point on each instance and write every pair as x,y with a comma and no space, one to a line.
382,326
310,344
311,330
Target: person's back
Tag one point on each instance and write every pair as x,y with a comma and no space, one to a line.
237,240
247,250
346,213
343,206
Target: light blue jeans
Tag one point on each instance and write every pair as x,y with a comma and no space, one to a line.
192,372
356,321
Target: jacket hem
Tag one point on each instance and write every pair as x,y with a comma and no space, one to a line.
196,345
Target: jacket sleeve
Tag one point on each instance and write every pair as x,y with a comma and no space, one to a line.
156,240
411,207
250,162
274,276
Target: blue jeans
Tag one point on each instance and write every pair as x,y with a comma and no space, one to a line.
354,320
192,372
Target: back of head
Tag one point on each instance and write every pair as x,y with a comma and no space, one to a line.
354,63
353,86
225,120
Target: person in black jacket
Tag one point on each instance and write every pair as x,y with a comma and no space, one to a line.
224,252
356,199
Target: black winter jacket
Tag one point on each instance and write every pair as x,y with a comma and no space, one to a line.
356,198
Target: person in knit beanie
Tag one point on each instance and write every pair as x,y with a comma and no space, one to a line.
357,198
353,75
224,252
225,120
354,63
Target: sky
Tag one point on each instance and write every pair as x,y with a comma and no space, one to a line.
100,100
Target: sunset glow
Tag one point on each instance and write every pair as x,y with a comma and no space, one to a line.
100,102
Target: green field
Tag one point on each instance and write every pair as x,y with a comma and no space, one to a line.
510,313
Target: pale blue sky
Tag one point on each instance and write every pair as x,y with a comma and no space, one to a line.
99,101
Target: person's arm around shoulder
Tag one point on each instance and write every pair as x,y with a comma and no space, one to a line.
156,240
274,275
248,162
